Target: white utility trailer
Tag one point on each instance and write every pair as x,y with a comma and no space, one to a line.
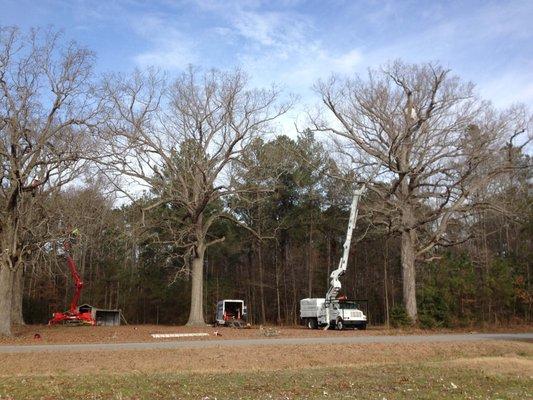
333,311
231,313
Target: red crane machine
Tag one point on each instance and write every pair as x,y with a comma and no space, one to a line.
73,315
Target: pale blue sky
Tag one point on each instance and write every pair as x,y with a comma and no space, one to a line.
293,43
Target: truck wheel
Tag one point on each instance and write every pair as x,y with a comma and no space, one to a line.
312,323
339,325
362,327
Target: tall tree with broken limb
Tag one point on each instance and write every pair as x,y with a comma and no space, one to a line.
45,110
433,143
181,141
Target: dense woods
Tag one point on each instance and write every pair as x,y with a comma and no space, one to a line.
184,192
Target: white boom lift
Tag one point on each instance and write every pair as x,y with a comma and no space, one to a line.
330,310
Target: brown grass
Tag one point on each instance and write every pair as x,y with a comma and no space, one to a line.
265,358
141,333
505,365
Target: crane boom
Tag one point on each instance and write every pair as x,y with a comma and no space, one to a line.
78,283
73,315
335,283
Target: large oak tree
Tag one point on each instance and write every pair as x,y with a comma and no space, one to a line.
430,143
181,141
45,115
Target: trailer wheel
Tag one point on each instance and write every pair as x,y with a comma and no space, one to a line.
339,325
312,323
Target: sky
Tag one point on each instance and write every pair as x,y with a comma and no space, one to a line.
294,43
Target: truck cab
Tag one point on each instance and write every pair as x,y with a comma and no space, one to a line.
346,314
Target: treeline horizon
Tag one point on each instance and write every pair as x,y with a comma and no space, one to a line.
483,281
443,237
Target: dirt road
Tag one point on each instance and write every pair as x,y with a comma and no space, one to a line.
329,339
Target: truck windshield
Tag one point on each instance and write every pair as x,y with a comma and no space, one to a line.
348,305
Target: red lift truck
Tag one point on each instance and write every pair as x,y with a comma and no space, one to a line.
73,316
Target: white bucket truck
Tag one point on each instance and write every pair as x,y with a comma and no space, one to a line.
342,314
332,311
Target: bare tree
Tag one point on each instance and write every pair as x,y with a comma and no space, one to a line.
181,141
434,145
45,109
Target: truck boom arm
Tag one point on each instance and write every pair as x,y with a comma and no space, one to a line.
335,284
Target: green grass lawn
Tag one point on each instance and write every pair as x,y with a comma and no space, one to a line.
407,381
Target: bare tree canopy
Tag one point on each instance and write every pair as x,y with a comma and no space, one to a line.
180,141
46,109
433,143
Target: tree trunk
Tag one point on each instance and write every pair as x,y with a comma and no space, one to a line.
310,263
385,282
286,266
408,273
6,296
278,296
196,316
17,296
261,281
328,262
283,273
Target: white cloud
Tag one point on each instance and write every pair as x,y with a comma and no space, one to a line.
167,54
280,46
509,88
286,46
170,48
346,62
262,28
